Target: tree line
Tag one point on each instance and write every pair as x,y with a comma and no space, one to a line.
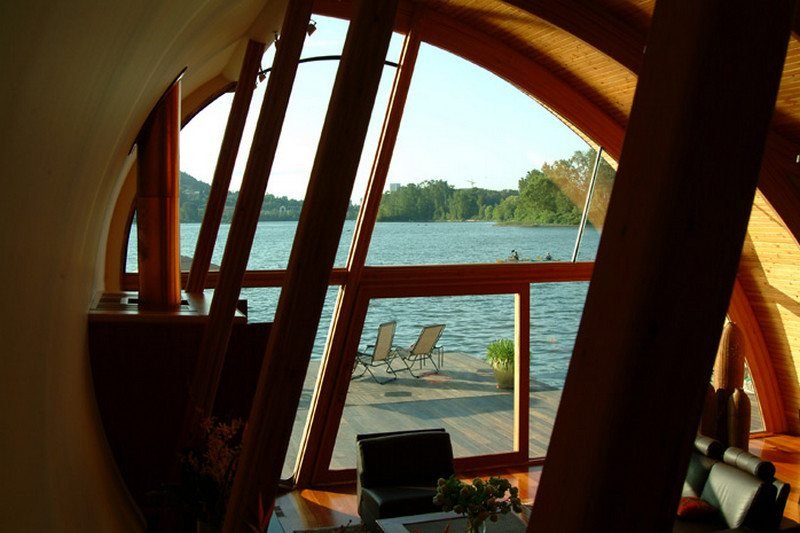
552,195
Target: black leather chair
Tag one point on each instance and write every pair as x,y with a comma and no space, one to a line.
397,472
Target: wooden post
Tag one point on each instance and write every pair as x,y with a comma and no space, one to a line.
326,414
245,217
157,207
215,207
319,229
665,267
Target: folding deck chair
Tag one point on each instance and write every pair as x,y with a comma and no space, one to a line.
381,354
423,349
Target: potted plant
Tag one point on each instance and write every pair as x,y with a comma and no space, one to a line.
480,500
500,355
208,466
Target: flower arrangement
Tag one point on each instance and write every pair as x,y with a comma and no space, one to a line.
208,469
478,500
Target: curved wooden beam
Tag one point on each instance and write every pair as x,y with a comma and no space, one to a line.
757,356
593,25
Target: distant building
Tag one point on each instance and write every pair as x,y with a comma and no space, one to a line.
394,186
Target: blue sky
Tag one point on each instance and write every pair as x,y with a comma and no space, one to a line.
461,124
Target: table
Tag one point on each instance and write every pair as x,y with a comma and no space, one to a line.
436,522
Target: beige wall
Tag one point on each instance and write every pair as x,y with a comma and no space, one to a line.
79,80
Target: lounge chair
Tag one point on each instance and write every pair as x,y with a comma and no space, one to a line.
396,473
381,354
423,349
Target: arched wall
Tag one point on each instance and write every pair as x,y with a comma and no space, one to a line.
80,79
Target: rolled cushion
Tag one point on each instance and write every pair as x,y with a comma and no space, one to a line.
749,463
708,446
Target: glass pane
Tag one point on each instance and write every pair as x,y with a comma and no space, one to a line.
460,397
470,149
756,417
556,310
202,137
310,383
583,163
261,303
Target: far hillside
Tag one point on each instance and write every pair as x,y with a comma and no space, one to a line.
194,197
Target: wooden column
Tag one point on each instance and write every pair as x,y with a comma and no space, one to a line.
757,354
248,206
319,229
522,371
326,411
225,163
157,204
665,267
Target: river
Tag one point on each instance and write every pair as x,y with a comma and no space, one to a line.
471,321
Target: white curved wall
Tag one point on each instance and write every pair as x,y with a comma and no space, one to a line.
79,79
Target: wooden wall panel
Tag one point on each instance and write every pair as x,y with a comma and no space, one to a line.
770,276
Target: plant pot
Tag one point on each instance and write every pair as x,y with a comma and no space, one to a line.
504,376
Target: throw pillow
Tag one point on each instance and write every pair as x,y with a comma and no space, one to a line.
691,508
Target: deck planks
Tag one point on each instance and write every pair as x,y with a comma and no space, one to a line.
462,398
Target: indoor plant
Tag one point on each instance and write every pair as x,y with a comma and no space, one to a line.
479,500
500,355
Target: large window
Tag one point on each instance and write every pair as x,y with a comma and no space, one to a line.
483,177
461,396
556,310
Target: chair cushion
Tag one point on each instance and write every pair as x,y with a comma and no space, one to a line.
742,498
411,459
388,502
697,475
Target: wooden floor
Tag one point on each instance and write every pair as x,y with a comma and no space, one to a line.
461,397
332,507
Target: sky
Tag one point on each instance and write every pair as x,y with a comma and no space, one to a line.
461,124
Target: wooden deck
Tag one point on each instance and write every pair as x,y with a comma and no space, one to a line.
462,398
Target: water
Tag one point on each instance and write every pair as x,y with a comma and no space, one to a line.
472,322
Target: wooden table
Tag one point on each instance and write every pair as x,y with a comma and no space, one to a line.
436,523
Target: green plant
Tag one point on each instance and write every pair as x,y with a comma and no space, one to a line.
500,353
478,500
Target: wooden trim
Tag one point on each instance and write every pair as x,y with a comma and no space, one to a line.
251,63
652,319
203,96
214,345
522,371
758,358
326,412
451,279
291,340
